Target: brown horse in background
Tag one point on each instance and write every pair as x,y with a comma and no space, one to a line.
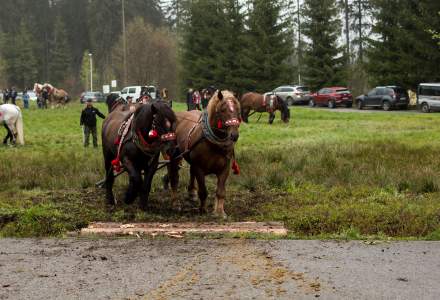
148,131
264,103
206,140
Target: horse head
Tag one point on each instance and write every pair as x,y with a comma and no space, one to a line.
285,111
155,124
224,115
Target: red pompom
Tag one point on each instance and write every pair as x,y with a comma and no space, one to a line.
219,124
153,134
235,167
116,164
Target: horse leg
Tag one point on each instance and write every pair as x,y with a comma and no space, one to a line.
8,135
192,189
173,178
109,180
202,192
220,194
135,181
271,117
12,134
149,172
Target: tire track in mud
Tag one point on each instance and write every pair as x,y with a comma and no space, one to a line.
236,270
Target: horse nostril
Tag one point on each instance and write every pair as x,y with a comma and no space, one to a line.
234,137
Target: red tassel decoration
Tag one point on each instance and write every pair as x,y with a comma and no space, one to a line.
118,140
219,124
235,167
116,164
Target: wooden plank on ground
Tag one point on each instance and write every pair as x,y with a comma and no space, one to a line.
179,229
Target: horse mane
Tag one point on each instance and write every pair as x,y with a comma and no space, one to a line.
164,111
161,109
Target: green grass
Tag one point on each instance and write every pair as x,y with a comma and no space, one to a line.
325,174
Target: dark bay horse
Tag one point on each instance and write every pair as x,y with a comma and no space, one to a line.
264,103
136,148
206,140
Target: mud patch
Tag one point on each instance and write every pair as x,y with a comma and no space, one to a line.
236,269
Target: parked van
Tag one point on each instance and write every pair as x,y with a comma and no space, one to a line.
428,97
137,91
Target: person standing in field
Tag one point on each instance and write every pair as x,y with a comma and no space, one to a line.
88,121
13,95
6,94
25,99
189,100
205,98
196,100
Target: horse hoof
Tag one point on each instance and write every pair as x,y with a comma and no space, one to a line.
220,215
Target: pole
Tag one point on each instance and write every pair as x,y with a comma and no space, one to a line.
91,73
299,42
347,30
124,38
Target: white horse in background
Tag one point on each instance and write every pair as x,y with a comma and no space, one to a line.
11,117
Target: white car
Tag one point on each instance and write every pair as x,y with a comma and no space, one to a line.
293,94
137,91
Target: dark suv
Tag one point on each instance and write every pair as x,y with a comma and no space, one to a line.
386,97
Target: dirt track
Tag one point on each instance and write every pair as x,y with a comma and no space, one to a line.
217,269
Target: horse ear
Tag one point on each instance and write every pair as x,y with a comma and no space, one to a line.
220,95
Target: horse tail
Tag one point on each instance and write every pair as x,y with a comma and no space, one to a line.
19,127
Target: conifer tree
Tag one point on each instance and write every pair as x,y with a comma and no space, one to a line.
269,46
405,53
324,59
20,61
60,57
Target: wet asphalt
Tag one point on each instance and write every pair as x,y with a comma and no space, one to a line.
217,269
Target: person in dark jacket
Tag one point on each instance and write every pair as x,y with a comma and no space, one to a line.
88,121
6,96
13,95
189,100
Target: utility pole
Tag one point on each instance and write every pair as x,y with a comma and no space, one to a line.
347,29
299,42
124,38
91,72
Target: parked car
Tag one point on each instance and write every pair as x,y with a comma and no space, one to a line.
293,94
332,97
94,96
137,91
386,97
428,97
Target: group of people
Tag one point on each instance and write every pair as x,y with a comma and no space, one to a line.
10,94
198,99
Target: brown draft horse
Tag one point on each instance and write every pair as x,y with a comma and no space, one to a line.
150,131
256,102
57,97
206,140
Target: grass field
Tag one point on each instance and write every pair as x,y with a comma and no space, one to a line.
326,174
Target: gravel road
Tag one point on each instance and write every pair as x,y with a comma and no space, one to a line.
217,269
